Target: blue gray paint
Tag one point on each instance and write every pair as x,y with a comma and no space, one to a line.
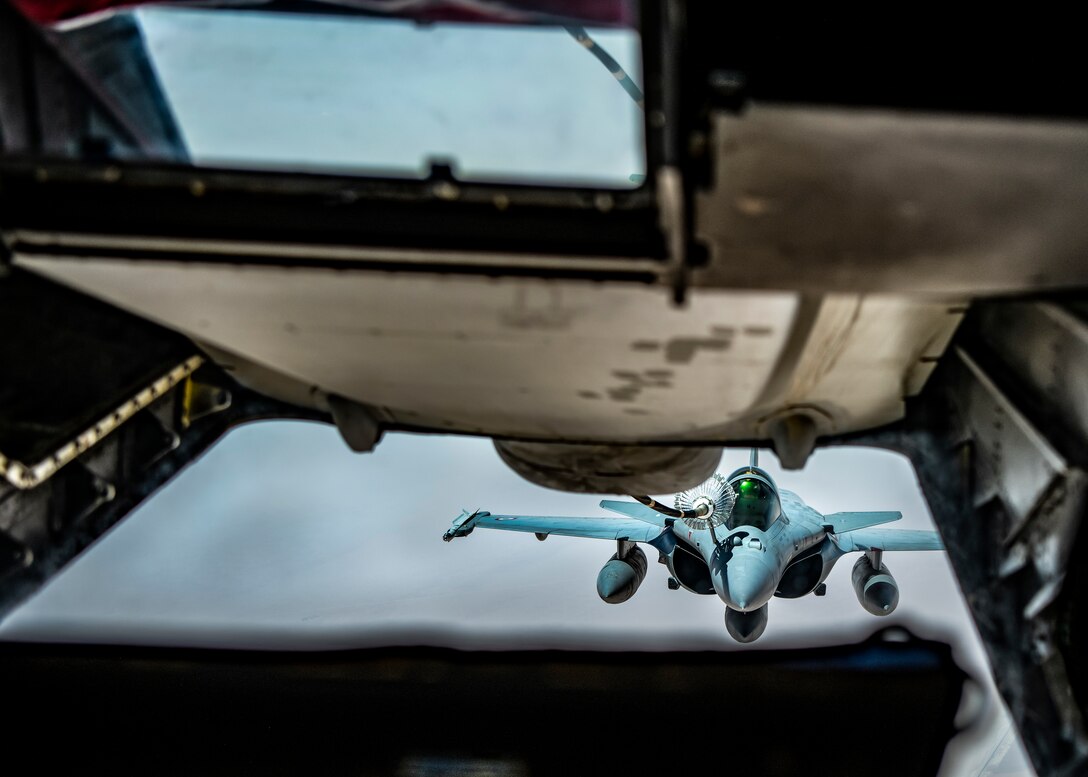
788,550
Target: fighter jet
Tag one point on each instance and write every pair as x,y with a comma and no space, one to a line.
740,537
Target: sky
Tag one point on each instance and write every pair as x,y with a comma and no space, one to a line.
280,537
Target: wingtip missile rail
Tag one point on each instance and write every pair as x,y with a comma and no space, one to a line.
464,524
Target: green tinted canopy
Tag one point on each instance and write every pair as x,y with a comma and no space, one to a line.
756,504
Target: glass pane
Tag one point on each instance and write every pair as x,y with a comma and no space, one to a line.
383,96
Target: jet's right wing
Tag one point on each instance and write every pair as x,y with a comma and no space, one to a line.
602,528
890,539
838,523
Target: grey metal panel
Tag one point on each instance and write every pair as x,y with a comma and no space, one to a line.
1022,464
844,522
865,199
601,528
634,510
891,539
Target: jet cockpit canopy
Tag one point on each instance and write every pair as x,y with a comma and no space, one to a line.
757,502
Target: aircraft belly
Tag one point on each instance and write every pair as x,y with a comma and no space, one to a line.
511,357
549,360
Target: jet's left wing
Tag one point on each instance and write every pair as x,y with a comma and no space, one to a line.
602,528
890,539
635,510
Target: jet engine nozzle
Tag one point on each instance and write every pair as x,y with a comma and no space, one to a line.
620,577
876,589
746,626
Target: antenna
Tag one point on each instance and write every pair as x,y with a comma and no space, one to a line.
753,460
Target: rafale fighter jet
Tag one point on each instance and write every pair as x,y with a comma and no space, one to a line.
739,537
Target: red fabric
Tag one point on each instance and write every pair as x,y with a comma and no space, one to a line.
607,12
48,11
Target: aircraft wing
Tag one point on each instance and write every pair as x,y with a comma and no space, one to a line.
890,539
601,528
838,523
639,512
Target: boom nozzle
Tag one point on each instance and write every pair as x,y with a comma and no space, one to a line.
698,511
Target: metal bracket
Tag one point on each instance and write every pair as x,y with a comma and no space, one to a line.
876,558
672,215
201,399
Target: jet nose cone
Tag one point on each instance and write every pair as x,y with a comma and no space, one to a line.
748,581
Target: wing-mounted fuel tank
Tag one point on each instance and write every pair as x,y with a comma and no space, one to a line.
875,587
621,576
746,626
